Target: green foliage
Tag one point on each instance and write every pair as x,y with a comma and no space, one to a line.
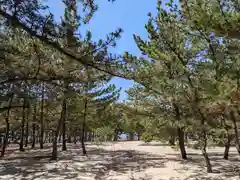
147,137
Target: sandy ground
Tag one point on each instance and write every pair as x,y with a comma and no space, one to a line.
118,161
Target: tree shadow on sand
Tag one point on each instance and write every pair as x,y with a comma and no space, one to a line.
222,169
99,163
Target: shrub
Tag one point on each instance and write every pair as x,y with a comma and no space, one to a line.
147,137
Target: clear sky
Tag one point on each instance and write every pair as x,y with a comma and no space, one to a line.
130,15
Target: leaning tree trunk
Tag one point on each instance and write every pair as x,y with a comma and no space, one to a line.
233,118
203,139
181,143
5,140
227,146
229,139
180,133
41,141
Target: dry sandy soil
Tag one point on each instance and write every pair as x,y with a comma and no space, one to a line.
118,161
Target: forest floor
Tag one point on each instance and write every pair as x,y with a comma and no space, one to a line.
118,161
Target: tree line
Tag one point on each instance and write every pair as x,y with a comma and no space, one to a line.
55,82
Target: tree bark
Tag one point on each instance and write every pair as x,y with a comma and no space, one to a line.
64,108
233,118
227,146
181,143
172,140
203,138
5,140
33,134
75,137
131,136
56,132
83,128
41,119
180,133
26,135
22,127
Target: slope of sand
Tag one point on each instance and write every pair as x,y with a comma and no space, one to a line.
118,161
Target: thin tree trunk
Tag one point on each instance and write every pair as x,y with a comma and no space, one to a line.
75,137
27,134
233,118
83,128
55,140
33,134
64,110
56,133
41,119
22,127
131,136
5,140
34,125
227,146
54,144
203,138
172,140
180,133
69,138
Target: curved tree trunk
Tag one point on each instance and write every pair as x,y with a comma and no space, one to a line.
181,143
203,138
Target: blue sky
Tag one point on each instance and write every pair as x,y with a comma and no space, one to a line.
130,15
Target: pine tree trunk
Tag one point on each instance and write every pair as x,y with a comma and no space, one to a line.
233,118
75,137
180,133
5,140
55,141
69,138
83,128
181,143
131,136
172,140
207,160
115,135
227,146
13,135
64,108
203,139
41,118
22,127
54,146
56,133
33,134
27,134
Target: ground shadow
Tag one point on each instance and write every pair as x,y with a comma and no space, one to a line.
99,163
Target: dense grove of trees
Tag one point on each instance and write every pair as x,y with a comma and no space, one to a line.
54,82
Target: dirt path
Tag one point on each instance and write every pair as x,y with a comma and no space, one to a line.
119,161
